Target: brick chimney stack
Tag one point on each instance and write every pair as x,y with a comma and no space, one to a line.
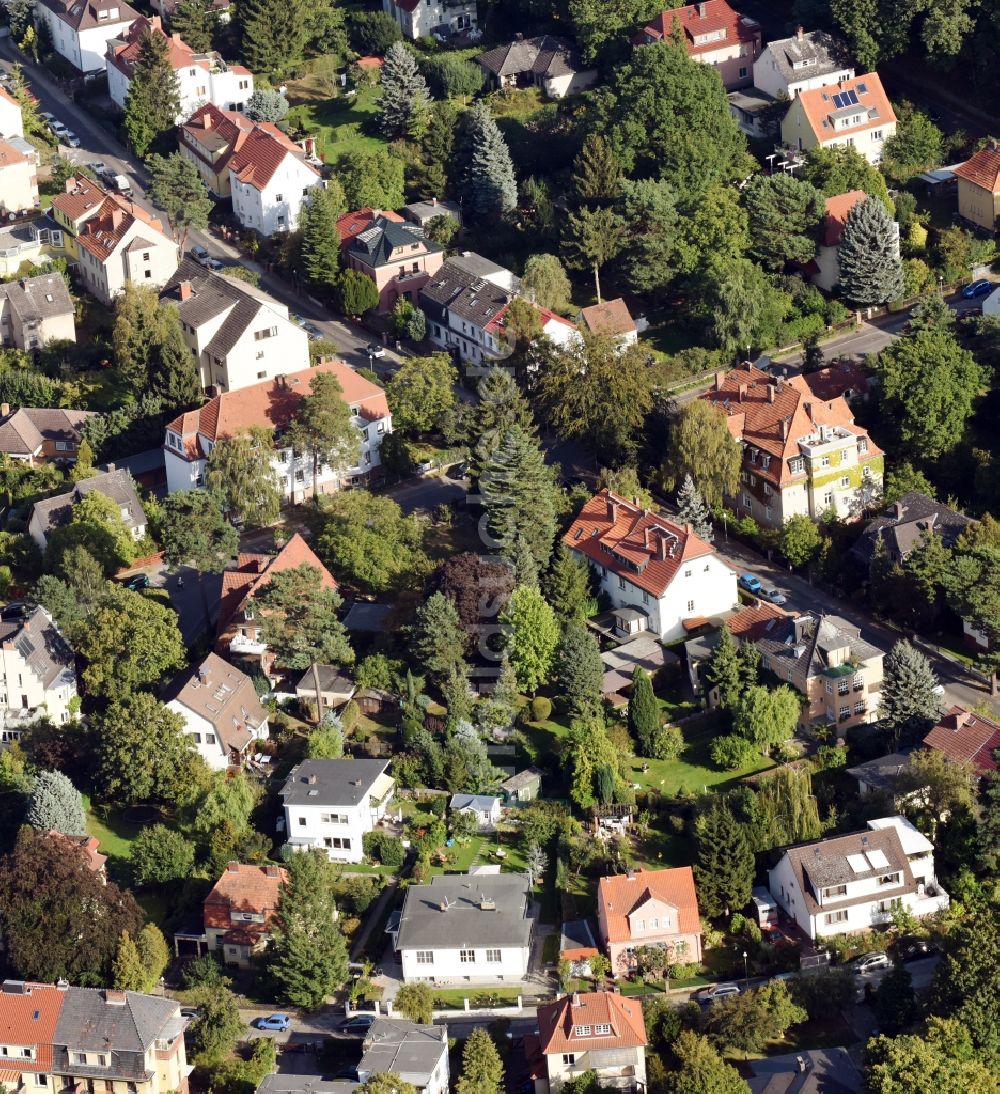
185,290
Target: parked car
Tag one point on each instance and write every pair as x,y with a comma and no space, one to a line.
279,1022
190,1013
770,593
713,994
203,258
58,128
44,115
869,962
114,181
312,330
71,139
750,583
375,349
357,1026
915,949
982,287
16,609
137,583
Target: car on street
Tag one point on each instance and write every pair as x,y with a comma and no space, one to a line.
978,288
71,139
46,116
140,581
772,595
915,949
869,962
58,128
203,258
16,609
374,349
312,330
98,167
357,1026
750,583
279,1022
708,996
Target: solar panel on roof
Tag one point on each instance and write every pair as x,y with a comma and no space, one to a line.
838,101
852,97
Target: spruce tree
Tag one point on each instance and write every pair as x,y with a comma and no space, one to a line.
320,242
909,704
724,672
643,712
194,22
153,103
55,804
274,35
436,637
693,510
405,101
870,269
490,185
724,868
501,405
567,587
517,488
597,172
580,669
482,1068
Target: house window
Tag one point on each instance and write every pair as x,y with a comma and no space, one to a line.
845,712
889,879
844,482
835,890
640,924
829,687
835,917
825,461
654,924
569,1059
843,687
493,957
467,957
877,135
102,1060
645,597
79,1057
748,501
690,605
210,738
862,444
743,73
425,957
602,1029
859,707
262,375
621,583
260,335
341,843
581,1031
279,197
302,822
828,498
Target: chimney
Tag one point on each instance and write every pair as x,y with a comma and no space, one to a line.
720,379
575,1000
612,509
742,391
311,780
800,32
688,530
630,875
185,290
808,408
4,409
645,538
206,120
114,998
62,985
783,426
898,509
772,390
702,10
117,216
486,904
232,867
434,200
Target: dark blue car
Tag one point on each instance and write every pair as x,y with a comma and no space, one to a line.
982,287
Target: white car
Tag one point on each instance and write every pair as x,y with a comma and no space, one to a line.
71,139
772,595
58,128
869,962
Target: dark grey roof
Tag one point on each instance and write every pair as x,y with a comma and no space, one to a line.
421,212
375,245
85,14
410,1051
880,773
38,640
542,56
528,777
330,679
464,923
903,525
116,485
481,803
337,782
37,298
283,1082
478,265
806,642
23,431
577,935
464,294
817,53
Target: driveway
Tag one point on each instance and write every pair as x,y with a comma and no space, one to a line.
427,492
193,595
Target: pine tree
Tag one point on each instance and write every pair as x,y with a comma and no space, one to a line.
482,1068
501,405
909,703
437,640
490,186
580,669
323,429
644,719
405,101
55,803
194,22
870,269
723,670
693,510
320,242
597,173
567,588
725,864
153,103
518,492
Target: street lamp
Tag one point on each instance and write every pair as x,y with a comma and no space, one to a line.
746,970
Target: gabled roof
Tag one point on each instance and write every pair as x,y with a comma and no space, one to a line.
622,894
983,169
375,244
10,155
215,134
82,197
611,317
225,698
812,644
351,224
542,56
861,97
903,525
34,299
807,55
85,14
480,803
244,888
86,845
845,377
561,1024
700,20
966,736
29,1016
116,485
837,209
644,547
23,431
260,154
123,52
101,220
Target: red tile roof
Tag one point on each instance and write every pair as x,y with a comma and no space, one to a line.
983,169
559,1023
86,845
611,317
752,622
718,15
774,416
351,224
621,894
100,219
643,546
873,107
965,736
9,155
211,129
370,62
243,888
81,198
261,153
123,52
837,209
30,1020
846,378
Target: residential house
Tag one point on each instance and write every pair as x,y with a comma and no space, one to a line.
238,632
459,307
222,714
64,1038
271,405
801,454
854,112
35,311
523,786
905,525
333,804
201,77
644,651
788,66
878,776
115,484
827,260
966,736
38,437
468,928
238,912
422,213
28,241
488,270
484,807
210,138
81,29
979,187
549,63
269,178
219,10
825,659
239,334
651,564
594,1032
397,256
324,688
844,377
612,318
111,241
577,945
852,883
350,225
417,1054
715,35
37,674
18,175
310,1082
420,18
749,623
648,908
11,119
87,846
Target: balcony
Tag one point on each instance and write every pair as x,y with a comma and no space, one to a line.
242,644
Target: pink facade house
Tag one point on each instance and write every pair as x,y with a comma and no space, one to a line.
648,908
398,257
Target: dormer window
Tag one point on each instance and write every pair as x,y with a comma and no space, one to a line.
581,1031
602,1030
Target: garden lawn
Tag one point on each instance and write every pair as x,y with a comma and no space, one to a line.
462,856
340,125
115,835
455,997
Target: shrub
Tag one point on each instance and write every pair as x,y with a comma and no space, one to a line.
732,753
668,743
541,708
384,848
831,756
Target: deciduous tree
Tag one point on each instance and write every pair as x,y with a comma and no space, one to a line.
533,638
421,392
416,1002
800,540
160,856
97,526
371,178
239,471
545,279
322,430
942,1062
479,586
192,529
767,716
702,446
701,1069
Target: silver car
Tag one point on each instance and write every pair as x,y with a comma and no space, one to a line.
713,994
